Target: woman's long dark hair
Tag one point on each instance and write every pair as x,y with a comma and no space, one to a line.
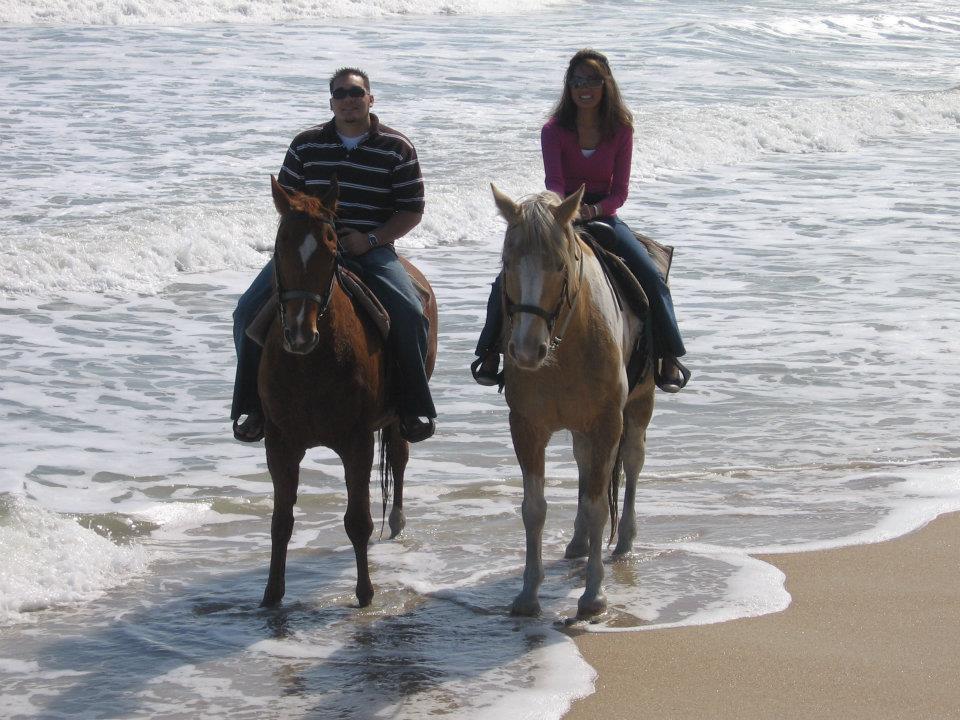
614,114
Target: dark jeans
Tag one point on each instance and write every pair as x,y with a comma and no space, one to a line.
666,334
383,273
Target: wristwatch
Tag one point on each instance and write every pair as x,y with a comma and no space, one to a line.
373,240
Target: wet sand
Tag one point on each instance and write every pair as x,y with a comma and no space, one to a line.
872,632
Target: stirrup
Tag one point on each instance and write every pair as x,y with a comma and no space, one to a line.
485,378
413,429
671,385
241,431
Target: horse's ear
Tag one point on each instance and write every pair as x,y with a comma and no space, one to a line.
329,198
281,199
566,211
507,207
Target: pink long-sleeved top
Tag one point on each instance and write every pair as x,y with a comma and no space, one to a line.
606,172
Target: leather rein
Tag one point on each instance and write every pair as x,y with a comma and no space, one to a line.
551,317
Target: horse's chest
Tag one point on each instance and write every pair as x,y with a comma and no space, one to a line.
329,383
570,398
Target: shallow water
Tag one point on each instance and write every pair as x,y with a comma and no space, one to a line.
800,158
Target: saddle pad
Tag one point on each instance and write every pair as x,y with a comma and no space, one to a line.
365,300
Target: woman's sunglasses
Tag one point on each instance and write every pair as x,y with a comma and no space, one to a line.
588,82
355,92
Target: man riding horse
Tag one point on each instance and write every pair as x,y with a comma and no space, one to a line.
381,200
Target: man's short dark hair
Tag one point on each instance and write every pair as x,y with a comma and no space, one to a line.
350,71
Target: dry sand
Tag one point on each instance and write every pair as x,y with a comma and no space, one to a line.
873,632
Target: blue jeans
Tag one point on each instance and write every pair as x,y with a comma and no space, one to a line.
666,333
381,270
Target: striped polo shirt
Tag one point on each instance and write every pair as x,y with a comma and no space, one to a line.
379,177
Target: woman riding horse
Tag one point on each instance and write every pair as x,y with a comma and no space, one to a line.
567,354
589,141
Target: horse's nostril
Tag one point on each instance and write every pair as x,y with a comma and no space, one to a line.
542,352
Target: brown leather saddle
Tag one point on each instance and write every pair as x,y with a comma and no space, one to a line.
365,302
627,290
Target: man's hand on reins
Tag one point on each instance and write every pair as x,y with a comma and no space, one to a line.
353,241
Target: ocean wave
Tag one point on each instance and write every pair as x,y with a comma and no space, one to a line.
51,560
693,138
144,250
851,26
173,12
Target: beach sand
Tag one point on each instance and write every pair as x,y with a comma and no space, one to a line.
873,632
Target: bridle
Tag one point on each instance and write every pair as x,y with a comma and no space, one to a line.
550,318
322,301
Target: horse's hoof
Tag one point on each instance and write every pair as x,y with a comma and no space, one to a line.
364,596
270,601
623,547
397,523
524,607
590,607
576,549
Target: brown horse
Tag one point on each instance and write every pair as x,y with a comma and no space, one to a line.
323,381
555,290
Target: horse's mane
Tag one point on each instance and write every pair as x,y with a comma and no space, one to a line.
308,205
538,232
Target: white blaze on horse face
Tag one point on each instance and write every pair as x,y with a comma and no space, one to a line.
307,249
530,331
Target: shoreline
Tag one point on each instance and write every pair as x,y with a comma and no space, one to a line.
872,631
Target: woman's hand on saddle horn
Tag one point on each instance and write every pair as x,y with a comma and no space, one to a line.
589,212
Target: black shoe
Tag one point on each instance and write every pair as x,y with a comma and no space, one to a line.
251,429
485,370
414,429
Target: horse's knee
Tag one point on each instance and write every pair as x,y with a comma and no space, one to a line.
281,525
534,511
359,526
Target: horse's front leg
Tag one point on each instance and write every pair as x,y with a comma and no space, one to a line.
283,462
398,453
529,443
596,456
357,465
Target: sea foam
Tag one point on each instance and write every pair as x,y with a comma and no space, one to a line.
51,560
172,12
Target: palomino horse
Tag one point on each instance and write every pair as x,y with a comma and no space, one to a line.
555,290
323,381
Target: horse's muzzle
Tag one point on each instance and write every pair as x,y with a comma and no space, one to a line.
300,343
527,356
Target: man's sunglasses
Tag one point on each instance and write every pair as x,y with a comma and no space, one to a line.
582,82
355,92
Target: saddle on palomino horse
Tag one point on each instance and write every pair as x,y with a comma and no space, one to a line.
599,236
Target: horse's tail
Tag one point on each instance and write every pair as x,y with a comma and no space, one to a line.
613,492
386,438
